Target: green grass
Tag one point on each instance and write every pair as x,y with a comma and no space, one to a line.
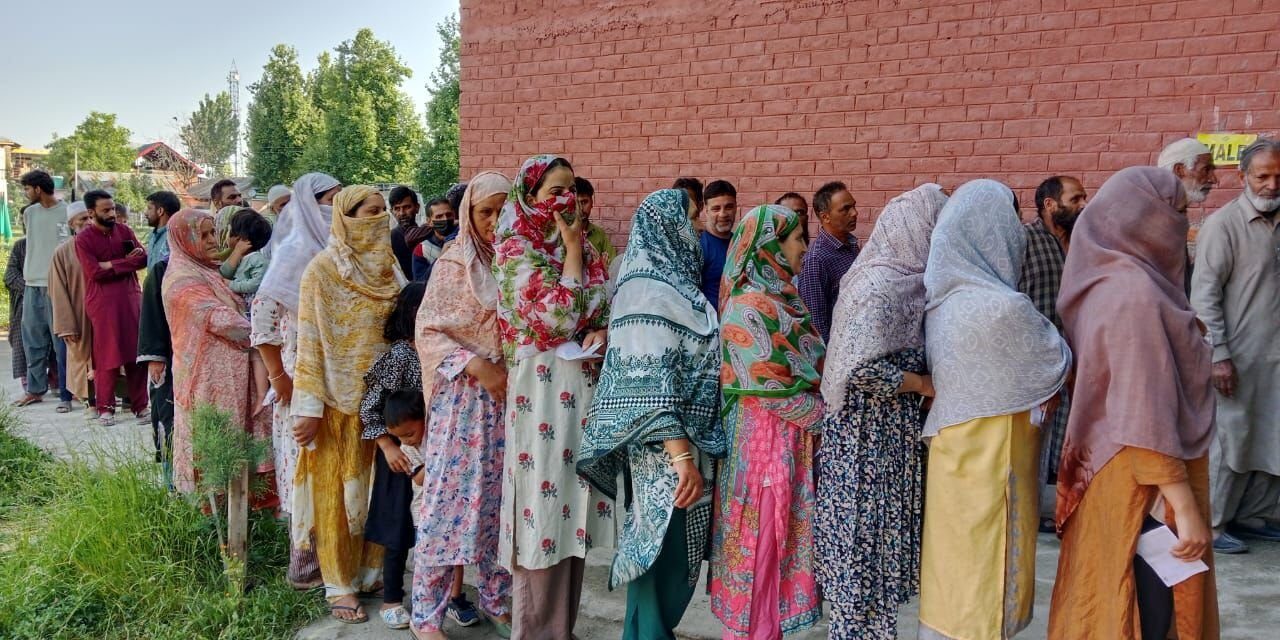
103,551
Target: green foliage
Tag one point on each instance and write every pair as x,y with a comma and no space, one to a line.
25,469
113,555
282,119
438,166
133,192
210,132
103,146
222,448
370,130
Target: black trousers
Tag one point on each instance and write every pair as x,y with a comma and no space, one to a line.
161,400
1155,600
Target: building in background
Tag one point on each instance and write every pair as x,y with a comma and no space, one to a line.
884,95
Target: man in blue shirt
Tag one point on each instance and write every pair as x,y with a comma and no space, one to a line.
161,206
831,255
719,216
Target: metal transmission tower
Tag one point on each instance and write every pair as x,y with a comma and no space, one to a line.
233,86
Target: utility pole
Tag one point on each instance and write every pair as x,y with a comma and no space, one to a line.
233,86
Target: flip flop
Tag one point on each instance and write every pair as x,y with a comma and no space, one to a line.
27,401
356,609
64,407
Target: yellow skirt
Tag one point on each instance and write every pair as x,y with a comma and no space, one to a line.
977,575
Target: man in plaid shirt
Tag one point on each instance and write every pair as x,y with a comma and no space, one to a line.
1059,201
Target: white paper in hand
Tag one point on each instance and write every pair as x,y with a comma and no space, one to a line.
573,351
1154,546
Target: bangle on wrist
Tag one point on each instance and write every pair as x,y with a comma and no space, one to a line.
688,455
276,376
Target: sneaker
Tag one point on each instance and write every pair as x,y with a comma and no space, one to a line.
463,612
107,419
395,618
144,416
1265,532
1228,544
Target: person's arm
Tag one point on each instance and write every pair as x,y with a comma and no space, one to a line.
1169,474
255,267
813,291
98,268
1215,258
415,235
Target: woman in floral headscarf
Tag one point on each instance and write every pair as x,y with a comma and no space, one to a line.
551,292
762,581
870,481
211,363
346,294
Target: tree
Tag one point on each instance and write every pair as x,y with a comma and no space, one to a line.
438,168
103,146
370,130
282,120
210,132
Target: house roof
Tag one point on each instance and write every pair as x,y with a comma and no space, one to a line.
201,189
159,147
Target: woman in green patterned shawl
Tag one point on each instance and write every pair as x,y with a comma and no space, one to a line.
655,418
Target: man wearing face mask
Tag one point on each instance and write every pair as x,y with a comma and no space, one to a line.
1059,201
442,226
111,256
1234,292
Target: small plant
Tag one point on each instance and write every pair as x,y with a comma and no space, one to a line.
224,453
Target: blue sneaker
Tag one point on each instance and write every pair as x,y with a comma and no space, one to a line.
462,611
1229,545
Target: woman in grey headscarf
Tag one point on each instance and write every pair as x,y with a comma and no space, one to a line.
993,358
870,491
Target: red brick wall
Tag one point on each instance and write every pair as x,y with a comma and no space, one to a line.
783,96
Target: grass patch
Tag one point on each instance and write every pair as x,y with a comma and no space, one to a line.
103,551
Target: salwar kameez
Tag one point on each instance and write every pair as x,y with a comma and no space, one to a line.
977,576
1094,595
462,495
762,575
657,600
331,501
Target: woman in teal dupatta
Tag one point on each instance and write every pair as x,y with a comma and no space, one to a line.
655,417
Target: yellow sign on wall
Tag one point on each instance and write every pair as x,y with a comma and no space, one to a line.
1226,147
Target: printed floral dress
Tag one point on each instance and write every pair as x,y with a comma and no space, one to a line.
271,323
870,494
462,481
556,514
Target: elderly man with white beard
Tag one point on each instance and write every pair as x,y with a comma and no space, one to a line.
1236,292
1192,161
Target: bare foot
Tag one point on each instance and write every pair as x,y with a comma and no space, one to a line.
428,635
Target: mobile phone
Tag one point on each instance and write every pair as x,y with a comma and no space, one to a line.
128,246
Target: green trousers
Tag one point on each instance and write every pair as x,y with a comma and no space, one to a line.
656,601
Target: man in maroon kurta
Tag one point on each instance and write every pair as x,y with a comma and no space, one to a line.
111,257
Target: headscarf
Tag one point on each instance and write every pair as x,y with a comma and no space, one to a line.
362,247
661,375
1142,365
298,236
990,352
222,226
347,292
454,319
771,348
880,309
537,312
192,273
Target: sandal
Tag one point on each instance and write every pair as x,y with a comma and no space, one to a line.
364,617
395,618
64,407
28,400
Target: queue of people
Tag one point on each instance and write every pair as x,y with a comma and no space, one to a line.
853,423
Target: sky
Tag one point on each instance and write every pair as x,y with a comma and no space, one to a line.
149,61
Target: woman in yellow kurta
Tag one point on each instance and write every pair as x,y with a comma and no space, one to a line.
347,292
993,358
1132,435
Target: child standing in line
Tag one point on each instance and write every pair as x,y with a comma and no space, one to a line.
245,268
390,521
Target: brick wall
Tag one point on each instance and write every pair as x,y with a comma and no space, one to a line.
883,94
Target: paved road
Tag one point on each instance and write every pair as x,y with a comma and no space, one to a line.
1248,586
